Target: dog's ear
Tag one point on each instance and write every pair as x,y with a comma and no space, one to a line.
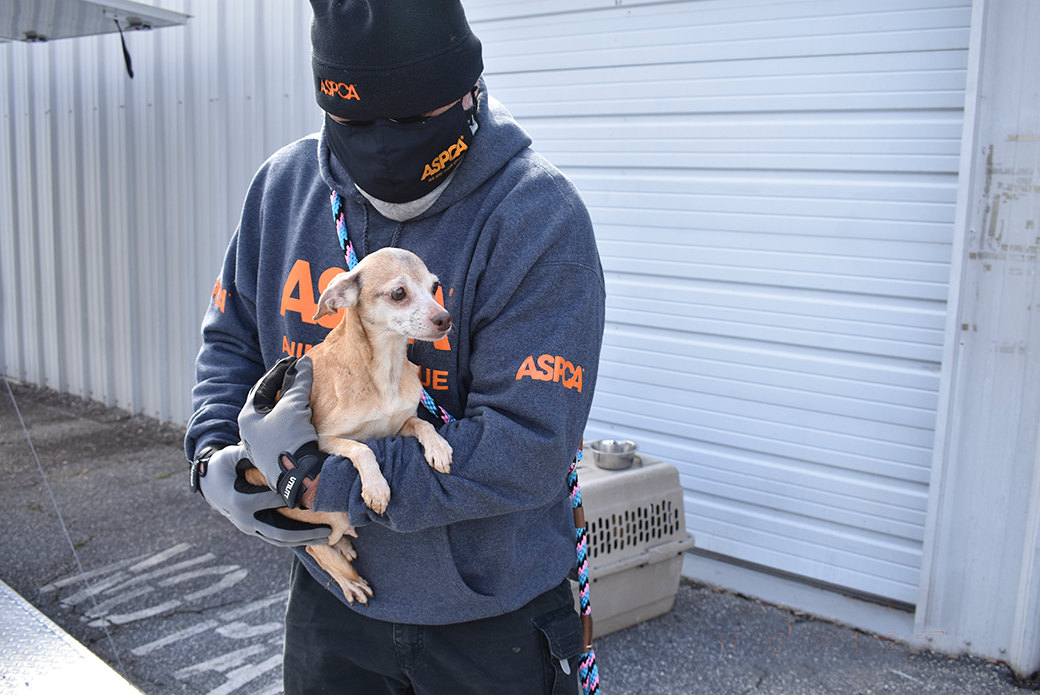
342,292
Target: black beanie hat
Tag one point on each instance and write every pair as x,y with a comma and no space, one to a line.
391,58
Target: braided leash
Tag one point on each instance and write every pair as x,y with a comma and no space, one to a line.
341,230
587,666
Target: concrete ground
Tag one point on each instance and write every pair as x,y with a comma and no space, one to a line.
102,535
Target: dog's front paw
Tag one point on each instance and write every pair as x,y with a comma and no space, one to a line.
376,494
438,455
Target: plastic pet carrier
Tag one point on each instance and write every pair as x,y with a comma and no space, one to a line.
636,539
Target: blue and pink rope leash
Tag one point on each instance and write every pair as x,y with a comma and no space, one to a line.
587,670
587,666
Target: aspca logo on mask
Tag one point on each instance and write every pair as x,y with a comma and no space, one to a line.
551,368
339,89
449,155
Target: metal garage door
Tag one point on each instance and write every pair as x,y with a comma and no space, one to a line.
773,188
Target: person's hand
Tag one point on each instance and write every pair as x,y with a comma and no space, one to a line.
276,422
219,476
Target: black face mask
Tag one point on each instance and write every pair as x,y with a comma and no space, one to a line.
402,160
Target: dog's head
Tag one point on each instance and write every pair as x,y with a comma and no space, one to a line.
391,288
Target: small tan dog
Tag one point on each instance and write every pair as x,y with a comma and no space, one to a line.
364,387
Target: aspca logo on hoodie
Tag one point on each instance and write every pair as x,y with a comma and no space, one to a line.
446,157
299,297
551,368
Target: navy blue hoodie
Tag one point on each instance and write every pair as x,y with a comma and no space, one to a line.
512,244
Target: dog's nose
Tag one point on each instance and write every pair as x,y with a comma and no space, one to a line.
442,321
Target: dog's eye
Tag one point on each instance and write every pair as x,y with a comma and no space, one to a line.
397,294
436,286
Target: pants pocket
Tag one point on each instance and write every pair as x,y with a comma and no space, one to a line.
562,632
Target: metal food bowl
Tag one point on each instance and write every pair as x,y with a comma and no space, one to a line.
612,454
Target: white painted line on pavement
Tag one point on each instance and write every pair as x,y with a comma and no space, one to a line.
245,674
175,637
224,662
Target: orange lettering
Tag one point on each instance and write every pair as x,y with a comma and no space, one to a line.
448,155
558,368
527,369
294,349
436,379
339,89
575,381
219,296
299,281
546,362
553,368
440,380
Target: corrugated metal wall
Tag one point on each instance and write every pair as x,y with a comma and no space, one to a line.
773,187
980,590
118,196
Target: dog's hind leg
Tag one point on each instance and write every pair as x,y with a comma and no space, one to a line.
335,559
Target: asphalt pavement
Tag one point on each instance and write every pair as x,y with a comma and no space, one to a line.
102,535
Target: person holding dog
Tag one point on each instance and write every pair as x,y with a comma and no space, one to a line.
468,568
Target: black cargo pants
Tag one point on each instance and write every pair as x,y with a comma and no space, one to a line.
330,648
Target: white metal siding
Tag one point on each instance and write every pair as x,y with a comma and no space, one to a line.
118,196
980,588
773,189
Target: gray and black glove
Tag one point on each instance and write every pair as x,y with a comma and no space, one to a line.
276,422
219,474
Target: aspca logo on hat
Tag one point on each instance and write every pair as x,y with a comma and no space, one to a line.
339,89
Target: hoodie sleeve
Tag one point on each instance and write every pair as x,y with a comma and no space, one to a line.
230,360
534,330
